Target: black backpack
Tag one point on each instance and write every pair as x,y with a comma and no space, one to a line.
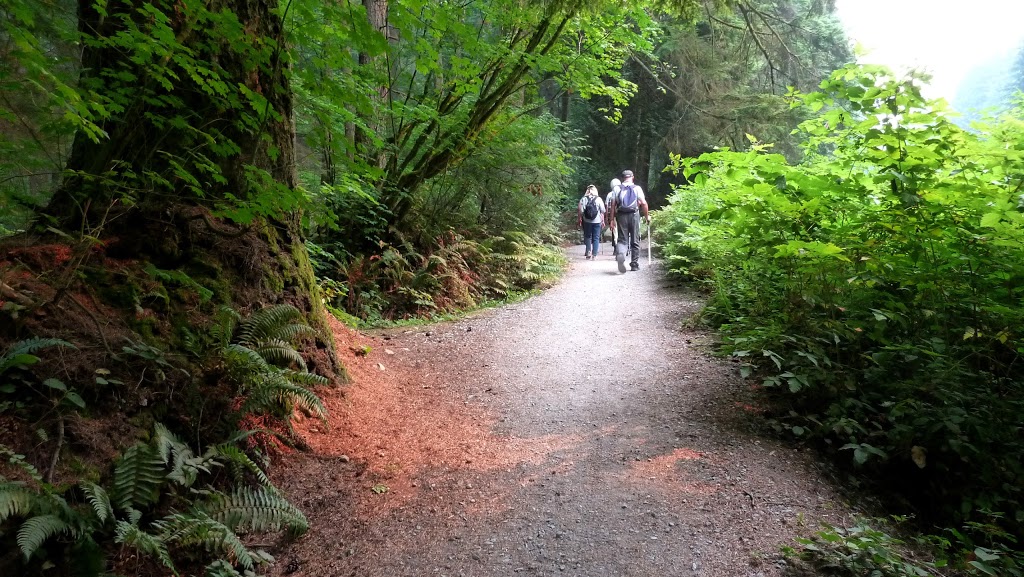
590,211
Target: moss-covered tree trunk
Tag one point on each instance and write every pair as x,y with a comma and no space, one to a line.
202,125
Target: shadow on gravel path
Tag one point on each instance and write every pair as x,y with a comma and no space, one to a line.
580,433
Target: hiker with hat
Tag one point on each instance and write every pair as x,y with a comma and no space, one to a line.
609,219
628,206
590,213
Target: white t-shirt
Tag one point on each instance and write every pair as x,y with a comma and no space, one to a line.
600,209
608,200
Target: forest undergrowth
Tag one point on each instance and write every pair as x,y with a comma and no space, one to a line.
140,440
873,290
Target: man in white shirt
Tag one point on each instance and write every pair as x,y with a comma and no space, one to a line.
609,220
629,205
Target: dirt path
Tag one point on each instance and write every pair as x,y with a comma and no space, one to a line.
526,441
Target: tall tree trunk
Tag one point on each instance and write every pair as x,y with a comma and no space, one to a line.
377,14
132,189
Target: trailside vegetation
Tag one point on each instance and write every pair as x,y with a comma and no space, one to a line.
873,289
165,501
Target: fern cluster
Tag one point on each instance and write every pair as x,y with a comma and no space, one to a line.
520,262
270,375
455,273
162,474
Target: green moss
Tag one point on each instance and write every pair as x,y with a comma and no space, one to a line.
317,310
271,236
143,421
117,290
212,276
81,470
273,280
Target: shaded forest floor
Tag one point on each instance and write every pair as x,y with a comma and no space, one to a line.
584,432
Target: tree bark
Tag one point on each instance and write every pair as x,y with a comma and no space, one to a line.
130,188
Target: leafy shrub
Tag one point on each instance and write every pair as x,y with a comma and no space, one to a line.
874,286
868,547
860,550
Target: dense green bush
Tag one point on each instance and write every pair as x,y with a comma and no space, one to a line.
877,285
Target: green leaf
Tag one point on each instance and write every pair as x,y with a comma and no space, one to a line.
985,554
991,219
984,568
55,384
73,398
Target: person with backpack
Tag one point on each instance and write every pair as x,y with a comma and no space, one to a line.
590,212
630,204
609,219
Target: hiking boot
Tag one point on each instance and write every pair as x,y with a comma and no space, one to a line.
634,267
621,259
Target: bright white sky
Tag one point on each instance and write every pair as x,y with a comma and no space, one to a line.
945,37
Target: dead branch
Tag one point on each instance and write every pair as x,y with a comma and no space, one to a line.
56,452
8,292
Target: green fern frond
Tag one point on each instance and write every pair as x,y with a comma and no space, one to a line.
138,475
35,531
19,461
241,359
168,444
185,470
305,378
280,353
21,352
238,461
260,510
16,500
185,465
221,568
30,346
131,535
292,332
198,528
99,500
224,326
519,236
262,323
278,393
435,262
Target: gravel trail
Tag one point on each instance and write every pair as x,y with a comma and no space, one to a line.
584,432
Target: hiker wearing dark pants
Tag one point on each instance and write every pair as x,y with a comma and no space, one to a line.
591,211
609,221
630,206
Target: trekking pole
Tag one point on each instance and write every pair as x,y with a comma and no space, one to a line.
649,240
